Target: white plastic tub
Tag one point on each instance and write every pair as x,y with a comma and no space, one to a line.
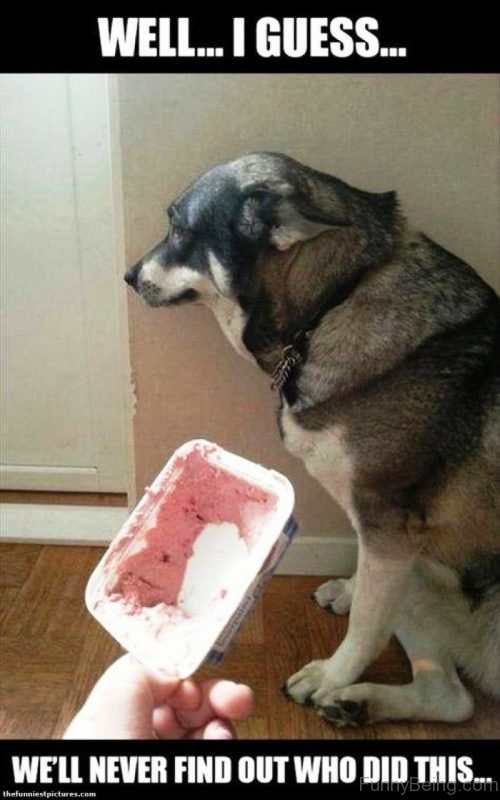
189,563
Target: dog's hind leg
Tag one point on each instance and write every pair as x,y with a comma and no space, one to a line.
435,693
431,618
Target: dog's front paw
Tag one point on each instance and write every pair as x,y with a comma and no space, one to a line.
304,683
335,595
349,706
344,713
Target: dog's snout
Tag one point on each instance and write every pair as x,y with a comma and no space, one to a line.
131,276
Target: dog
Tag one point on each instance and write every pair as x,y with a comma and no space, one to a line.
384,351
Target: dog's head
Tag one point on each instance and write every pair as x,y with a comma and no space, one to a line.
222,223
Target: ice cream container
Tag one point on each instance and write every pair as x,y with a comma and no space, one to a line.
189,563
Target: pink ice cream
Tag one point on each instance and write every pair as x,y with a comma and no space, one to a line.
196,492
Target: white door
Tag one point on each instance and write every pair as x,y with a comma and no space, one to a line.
62,412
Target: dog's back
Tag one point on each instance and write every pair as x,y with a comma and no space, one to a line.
416,385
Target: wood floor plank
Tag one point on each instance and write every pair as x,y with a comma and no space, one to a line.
252,630
254,728
31,699
51,599
16,563
34,723
8,596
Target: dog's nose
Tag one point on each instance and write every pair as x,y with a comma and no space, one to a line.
132,274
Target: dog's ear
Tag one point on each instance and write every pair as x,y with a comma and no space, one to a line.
282,214
253,219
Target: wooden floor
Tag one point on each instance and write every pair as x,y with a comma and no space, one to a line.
52,652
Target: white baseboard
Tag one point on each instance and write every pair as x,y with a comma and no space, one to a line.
58,524
96,526
320,555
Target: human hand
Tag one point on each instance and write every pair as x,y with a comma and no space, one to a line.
128,702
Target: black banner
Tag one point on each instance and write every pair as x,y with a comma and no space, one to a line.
117,769
337,38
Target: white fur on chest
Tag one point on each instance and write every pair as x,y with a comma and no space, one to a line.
232,323
325,454
227,311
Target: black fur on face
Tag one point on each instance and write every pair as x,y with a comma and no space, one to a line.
213,216
211,220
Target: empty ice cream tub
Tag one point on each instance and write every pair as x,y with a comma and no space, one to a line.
189,563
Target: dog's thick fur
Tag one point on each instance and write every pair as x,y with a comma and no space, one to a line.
394,408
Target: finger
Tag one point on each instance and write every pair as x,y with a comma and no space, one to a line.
162,687
166,725
216,729
183,694
188,696
230,700
197,717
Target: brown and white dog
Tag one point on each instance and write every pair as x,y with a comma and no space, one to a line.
385,348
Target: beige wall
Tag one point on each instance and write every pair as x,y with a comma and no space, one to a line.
433,138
